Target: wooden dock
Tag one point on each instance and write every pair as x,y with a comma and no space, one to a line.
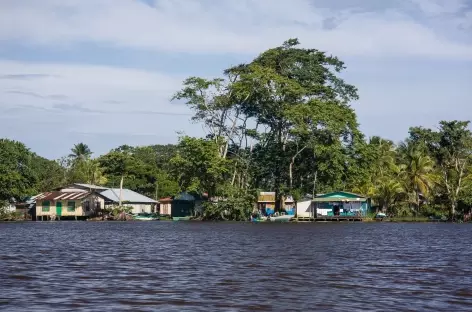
329,219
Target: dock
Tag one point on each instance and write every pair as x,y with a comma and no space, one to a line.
329,219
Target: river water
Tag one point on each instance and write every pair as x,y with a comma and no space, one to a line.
197,266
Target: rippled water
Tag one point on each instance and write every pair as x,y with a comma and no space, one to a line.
196,266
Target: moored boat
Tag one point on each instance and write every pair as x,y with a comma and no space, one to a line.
283,218
180,218
146,217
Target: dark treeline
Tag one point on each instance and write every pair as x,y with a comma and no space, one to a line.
280,123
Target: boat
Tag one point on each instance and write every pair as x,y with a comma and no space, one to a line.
181,218
259,219
146,217
380,216
283,218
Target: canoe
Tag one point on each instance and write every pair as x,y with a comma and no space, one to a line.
180,218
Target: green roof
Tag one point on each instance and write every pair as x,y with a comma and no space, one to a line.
339,196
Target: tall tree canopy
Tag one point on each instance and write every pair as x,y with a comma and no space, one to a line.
288,102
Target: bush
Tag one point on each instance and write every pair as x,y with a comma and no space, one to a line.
231,209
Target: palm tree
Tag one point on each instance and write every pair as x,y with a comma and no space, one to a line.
388,192
417,171
385,156
94,173
80,151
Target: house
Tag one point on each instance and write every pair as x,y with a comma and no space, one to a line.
183,206
337,203
60,205
98,196
138,202
266,203
165,206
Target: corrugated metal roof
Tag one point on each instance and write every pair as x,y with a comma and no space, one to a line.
91,186
127,196
62,196
184,196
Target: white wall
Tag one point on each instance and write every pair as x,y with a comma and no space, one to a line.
304,209
138,208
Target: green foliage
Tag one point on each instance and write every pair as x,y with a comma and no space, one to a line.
17,178
198,166
233,208
80,151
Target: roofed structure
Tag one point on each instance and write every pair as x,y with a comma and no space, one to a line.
126,196
62,196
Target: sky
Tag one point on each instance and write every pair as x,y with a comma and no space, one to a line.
103,72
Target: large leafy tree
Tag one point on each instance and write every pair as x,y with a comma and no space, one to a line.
294,102
296,94
198,166
17,178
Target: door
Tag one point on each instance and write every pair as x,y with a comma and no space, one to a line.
58,208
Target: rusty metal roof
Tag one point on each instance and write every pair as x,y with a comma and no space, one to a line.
62,196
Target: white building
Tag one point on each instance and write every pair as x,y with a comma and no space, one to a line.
138,202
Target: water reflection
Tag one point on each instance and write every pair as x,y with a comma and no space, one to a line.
182,266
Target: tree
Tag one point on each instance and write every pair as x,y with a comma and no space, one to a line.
80,151
17,178
417,171
292,95
451,147
198,166
454,157
387,193
50,174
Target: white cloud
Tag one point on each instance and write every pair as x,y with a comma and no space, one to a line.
94,87
232,26
90,99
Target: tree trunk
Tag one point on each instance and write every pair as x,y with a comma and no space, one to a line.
314,184
121,191
417,202
452,210
290,173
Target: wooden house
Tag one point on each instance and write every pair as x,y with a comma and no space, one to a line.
165,206
266,203
341,203
74,205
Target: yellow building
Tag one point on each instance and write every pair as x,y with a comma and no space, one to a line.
266,203
52,205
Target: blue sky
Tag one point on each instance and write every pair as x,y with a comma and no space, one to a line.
102,72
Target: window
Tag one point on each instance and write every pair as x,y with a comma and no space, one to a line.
45,205
98,205
87,206
71,206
